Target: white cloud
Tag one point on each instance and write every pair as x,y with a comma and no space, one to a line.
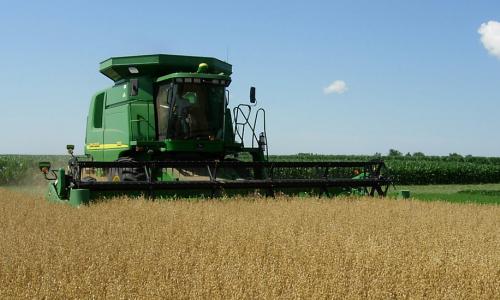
490,37
338,87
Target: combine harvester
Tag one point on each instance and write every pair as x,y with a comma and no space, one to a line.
165,129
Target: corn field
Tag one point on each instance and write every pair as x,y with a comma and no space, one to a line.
12,169
418,170
251,248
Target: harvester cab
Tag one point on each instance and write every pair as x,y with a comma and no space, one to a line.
165,128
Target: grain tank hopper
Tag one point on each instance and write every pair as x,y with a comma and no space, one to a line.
165,129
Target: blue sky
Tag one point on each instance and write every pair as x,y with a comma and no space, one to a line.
417,76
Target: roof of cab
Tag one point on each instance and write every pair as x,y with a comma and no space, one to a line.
156,65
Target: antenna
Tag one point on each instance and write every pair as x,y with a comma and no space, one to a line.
227,53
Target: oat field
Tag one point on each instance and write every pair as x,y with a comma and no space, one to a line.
248,248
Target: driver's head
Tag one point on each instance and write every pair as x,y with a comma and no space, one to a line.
191,97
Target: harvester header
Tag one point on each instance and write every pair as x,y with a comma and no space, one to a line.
157,65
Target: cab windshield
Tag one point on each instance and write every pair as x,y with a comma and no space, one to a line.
190,111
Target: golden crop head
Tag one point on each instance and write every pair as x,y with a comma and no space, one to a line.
248,248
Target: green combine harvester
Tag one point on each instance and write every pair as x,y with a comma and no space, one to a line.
165,129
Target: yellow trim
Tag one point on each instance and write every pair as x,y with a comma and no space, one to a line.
97,146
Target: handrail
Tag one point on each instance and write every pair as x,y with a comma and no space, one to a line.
240,126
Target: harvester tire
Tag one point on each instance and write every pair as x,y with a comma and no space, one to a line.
126,174
243,173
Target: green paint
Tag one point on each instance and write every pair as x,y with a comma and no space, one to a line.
405,194
123,118
117,68
78,197
52,195
61,186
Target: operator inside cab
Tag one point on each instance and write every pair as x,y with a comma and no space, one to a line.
189,116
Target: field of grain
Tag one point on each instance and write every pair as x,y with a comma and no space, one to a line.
248,248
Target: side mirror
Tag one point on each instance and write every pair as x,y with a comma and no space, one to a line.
44,167
70,148
252,95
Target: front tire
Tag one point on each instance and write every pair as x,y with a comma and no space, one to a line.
126,174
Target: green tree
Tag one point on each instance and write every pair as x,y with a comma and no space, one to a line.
394,152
